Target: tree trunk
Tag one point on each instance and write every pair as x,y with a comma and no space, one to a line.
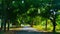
54,23
4,13
46,24
1,26
54,26
1,23
4,25
20,24
8,24
32,24
4,22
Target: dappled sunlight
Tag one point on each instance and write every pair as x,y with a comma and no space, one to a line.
42,28
38,27
30,16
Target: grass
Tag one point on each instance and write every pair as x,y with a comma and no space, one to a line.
49,28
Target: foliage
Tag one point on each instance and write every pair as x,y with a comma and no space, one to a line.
28,11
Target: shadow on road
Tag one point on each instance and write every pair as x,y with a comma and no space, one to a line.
29,32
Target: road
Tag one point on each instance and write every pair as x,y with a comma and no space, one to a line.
27,30
32,32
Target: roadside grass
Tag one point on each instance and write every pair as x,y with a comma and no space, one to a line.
58,28
49,28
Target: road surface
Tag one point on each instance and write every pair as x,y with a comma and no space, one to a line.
27,30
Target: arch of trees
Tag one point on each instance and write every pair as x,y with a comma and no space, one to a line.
14,11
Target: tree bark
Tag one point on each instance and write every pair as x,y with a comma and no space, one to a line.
32,24
1,26
4,14
54,23
8,24
1,23
46,24
4,25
